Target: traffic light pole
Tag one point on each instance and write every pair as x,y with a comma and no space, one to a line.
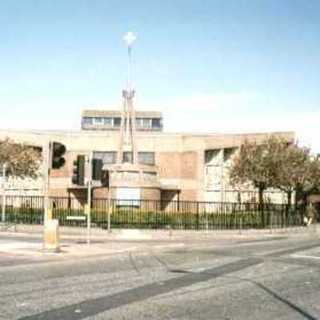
109,204
89,198
52,159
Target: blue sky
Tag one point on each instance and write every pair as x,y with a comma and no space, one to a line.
209,66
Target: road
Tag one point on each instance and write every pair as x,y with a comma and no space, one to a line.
275,279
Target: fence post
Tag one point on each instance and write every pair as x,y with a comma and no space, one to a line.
109,210
241,217
3,214
197,215
270,220
88,207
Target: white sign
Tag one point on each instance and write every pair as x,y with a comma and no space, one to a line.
78,218
128,196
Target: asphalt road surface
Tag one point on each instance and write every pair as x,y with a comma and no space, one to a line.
276,279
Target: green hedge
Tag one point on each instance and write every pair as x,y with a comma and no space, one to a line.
137,218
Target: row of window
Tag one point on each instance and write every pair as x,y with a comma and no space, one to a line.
215,156
110,157
141,123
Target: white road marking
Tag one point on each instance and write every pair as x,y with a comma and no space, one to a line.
11,245
305,256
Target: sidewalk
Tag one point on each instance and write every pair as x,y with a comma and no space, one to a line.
28,240
81,233
30,248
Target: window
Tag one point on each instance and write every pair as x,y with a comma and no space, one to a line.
213,157
146,123
87,120
146,158
127,157
228,153
156,123
97,120
108,157
116,122
143,123
138,123
213,177
107,121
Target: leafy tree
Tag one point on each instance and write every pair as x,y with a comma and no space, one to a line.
21,160
311,180
278,164
290,166
253,164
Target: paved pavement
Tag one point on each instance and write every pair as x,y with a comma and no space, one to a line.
254,278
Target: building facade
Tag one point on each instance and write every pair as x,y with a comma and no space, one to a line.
169,166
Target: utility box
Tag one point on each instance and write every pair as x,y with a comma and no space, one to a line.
51,235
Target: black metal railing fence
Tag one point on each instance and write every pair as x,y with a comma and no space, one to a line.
150,214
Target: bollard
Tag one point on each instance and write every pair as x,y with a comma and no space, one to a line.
51,235
49,214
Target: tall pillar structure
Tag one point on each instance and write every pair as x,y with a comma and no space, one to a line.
129,179
127,141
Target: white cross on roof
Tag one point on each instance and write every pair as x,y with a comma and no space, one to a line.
129,38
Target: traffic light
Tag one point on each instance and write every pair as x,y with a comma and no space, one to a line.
57,159
98,173
97,165
79,170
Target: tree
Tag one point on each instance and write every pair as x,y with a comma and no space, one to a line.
21,160
311,180
290,166
253,164
277,164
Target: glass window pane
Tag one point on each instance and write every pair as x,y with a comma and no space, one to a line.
146,123
143,123
108,121
108,157
98,120
116,122
127,157
146,158
156,123
228,153
87,120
